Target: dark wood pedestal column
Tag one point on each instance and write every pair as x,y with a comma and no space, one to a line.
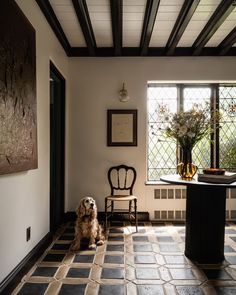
205,223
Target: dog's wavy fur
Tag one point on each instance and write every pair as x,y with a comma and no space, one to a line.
87,225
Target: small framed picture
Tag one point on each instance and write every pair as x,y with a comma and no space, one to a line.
122,127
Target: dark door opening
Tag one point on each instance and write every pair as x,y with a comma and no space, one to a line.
57,147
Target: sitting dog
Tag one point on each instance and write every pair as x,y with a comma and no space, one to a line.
87,225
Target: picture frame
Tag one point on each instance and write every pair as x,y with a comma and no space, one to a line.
122,127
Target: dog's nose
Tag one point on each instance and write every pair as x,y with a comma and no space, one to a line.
91,205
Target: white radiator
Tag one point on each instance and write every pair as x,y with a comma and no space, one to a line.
169,202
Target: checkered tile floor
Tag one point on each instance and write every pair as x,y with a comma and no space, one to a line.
150,262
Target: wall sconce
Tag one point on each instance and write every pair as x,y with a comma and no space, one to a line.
123,94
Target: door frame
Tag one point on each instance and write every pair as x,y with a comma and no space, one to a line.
57,178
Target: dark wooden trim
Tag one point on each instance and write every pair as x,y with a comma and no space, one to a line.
227,43
181,23
148,24
82,13
142,216
217,131
14,278
152,51
117,24
220,14
50,16
57,149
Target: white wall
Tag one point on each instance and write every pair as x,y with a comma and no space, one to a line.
24,197
94,89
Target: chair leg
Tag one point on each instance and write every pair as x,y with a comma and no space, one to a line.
130,209
135,214
105,214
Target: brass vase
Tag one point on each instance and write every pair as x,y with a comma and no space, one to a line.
186,168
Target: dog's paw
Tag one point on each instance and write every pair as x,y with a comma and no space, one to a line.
100,242
92,246
75,247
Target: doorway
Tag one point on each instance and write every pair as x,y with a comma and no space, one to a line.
57,147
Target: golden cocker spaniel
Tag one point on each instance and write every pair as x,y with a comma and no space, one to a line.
87,225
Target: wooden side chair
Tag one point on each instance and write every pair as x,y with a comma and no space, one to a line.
121,179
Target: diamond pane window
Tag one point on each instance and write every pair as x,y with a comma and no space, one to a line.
161,152
200,96
227,131
170,98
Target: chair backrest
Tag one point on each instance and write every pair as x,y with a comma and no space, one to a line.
121,178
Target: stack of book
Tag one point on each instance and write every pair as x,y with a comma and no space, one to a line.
227,177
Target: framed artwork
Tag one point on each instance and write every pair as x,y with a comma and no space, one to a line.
18,110
122,127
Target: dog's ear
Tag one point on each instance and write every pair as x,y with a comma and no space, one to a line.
94,211
81,209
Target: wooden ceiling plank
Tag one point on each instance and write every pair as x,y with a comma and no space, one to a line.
227,43
181,23
216,20
117,25
148,24
82,13
54,23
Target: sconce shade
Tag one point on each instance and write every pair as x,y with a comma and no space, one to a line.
123,94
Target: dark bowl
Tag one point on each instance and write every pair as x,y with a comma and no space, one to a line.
214,171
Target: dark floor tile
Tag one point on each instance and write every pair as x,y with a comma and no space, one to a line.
116,230
44,271
230,231
140,239
116,259
228,249
217,274
142,248
169,248
187,290
78,273
175,259
84,258
69,289
163,239
146,259
112,273
54,257
147,273
33,289
116,238
115,248
61,247
233,238
111,289
225,290
150,290
66,237
182,274
231,259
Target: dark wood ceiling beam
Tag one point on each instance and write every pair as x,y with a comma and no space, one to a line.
51,18
153,51
117,22
82,13
148,24
181,23
221,13
227,43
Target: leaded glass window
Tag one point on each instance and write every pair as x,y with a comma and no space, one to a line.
218,150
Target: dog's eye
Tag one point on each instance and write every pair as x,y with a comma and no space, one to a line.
87,201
